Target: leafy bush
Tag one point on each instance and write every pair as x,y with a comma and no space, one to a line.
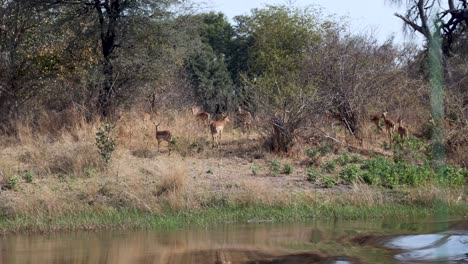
255,168
312,174
275,167
329,166
105,141
350,173
328,182
343,159
27,176
312,153
453,176
288,168
12,183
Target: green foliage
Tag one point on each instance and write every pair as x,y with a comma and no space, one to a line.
255,168
325,148
288,168
27,176
105,141
12,182
312,174
329,166
328,182
210,79
411,150
312,153
351,173
275,167
343,159
448,175
387,173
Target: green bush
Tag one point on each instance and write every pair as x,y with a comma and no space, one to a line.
312,174
255,168
288,168
329,166
12,183
27,176
275,167
328,182
452,176
312,153
350,173
105,141
343,159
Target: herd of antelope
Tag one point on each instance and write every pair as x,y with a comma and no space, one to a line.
391,126
204,119
245,119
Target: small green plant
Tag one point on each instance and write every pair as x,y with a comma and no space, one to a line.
275,166
312,153
343,159
328,182
105,141
27,176
12,182
288,168
325,148
350,173
255,168
329,166
312,174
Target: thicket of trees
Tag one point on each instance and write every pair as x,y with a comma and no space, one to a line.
287,64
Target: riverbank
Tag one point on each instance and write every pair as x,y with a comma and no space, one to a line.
112,219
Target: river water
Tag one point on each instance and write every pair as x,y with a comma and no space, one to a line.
255,241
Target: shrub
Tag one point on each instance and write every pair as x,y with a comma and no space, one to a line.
312,174
288,168
328,182
329,166
312,153
350,173
275,167
27,176
105,141
255,168
12,183
343,159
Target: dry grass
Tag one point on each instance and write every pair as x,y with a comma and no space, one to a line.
69,175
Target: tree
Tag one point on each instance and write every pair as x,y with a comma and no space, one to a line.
422,15
282,91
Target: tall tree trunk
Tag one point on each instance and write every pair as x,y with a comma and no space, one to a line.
107,22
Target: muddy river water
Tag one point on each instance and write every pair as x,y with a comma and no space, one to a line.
254,241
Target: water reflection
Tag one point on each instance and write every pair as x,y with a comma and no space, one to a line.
317,242
448,246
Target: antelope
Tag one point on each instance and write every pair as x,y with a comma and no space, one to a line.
389,126
164,135
376,120
216,129
201,117
245,119
402,130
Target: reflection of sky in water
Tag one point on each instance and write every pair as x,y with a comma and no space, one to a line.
432,247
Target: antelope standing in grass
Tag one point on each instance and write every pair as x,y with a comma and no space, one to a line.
216,129
389,126
376,120
245,120
403,131
201,117
161,136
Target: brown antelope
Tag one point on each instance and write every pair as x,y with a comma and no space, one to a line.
245,120
201,117
216,129
376,120
164,135
389,126
403,131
